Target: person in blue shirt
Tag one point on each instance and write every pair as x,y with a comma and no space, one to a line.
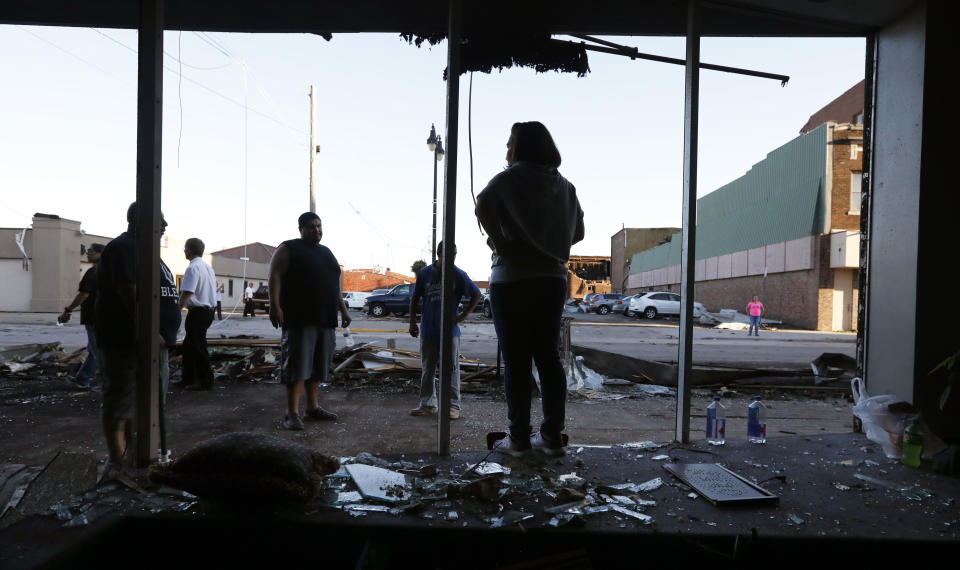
429,288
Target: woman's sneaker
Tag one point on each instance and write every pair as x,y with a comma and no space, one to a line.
547,445
512,447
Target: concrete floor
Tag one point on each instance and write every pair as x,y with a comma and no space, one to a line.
809,461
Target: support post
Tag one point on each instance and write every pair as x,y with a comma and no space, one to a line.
447,359
149,130
688,243
313,148
433,242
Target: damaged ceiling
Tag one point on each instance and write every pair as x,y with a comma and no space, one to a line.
610,17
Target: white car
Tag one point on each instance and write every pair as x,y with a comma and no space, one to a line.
655,303
354,300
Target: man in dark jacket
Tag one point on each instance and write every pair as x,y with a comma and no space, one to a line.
116,332
304,300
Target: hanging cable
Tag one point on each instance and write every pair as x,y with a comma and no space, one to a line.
179,93
470,146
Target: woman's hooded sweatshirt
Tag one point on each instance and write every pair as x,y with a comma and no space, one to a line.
532,216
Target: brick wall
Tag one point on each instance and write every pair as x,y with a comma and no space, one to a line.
846,138
363,280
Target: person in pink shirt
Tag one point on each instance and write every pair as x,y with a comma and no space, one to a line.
754,309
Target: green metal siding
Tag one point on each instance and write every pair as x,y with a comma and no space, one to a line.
781,198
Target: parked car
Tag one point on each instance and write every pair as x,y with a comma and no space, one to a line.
354,299
261,299
654,303
588,297
396,301
623,306
484,305
603,303
379,291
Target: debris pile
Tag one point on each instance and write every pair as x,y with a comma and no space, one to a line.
484,492
33,361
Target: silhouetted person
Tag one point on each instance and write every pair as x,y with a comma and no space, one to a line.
429,288
116,330
86,299
532,216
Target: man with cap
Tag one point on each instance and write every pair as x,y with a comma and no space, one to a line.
86,299
304,301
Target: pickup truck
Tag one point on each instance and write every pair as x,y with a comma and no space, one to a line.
396,301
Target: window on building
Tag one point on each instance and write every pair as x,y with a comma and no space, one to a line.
230,282
856,179
855,149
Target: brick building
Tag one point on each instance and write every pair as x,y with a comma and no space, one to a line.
787,230
366,280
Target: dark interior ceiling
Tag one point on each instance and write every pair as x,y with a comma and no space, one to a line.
608,17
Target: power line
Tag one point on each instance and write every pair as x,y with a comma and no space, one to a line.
279,121
214,43
75,56
166,53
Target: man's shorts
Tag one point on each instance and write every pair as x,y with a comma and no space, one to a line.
119,370
119,381
306,353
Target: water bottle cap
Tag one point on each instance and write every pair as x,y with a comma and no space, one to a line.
716,398
757,398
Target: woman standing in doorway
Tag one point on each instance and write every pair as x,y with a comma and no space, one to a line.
532,216
755,310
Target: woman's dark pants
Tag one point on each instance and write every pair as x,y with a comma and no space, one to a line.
526,316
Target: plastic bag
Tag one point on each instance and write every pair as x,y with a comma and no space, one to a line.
879,423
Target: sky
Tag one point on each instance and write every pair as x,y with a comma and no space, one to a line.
236,123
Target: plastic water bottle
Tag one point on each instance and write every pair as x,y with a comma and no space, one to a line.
757,421
716,422
347,337
912,444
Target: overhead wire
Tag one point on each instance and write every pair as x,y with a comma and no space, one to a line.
75,56
279,121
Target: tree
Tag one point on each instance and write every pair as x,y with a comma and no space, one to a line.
417,266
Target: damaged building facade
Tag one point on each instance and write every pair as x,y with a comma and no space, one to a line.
588,274
788,230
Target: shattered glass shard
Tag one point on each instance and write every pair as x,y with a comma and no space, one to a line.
378,483
509,518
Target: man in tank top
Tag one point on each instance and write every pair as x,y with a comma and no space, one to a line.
304,301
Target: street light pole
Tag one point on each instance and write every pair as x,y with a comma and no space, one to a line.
435,144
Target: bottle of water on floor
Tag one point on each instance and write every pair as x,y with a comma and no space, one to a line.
347,337
716,422
757,421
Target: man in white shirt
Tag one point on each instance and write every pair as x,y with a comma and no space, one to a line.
248,300
198,293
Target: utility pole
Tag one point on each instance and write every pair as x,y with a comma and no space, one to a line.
313,149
